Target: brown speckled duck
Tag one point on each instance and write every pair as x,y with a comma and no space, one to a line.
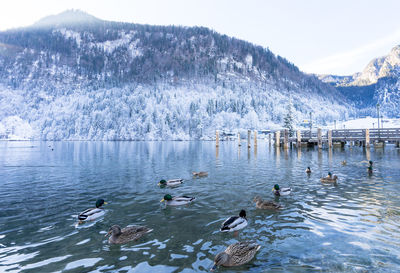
261,204
236,254
125,235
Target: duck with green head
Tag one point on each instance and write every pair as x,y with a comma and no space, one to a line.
369,169
278,191
177,200
92,213
170,183
329,178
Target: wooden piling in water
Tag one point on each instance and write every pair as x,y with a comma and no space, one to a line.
277,139
270,139
319,133
286,139
248,138
217,138
298,145
367,144
330,138
255,138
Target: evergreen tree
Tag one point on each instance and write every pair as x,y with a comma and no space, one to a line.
288,119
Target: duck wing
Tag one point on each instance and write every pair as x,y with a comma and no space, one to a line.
89,213
233,223
242,252
183,198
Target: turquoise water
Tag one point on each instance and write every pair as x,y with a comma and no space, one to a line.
349,227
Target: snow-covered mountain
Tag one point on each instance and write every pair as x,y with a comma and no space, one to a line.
379,83
73,76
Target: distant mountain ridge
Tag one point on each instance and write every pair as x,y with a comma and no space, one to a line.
378,83
128,81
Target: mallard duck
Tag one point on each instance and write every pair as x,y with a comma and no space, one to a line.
308,170
278,191
92,213
122,236
178,200
369,168
236,254
200,174
261,204
344,162
170,183
234,223
329,178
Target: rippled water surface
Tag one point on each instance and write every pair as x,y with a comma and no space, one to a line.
352,226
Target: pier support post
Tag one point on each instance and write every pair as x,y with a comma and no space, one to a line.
286,139
330,138
248,138
277,138
397,144
319,133
270,139
239,144
255,138
367,144
298,145
217,138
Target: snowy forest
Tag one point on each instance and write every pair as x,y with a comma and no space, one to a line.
98,80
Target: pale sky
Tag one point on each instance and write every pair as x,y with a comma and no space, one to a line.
319,36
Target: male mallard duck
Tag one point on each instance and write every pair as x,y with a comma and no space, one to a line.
178,200
344,162
234,223
200,174
122,236
170,183
308,170
93,213
329,178
369,168
236,254
261,204
278,191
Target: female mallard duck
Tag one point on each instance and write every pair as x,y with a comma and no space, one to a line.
178,200
170,183
92,213
278,191
344,162
236,254
234,223
329,178
200,174
308,170
261,204
122,236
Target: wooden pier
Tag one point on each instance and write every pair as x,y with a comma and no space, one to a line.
327,138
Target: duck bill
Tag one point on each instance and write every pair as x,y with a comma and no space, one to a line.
108,233
162,200
214,267
105,203
159,184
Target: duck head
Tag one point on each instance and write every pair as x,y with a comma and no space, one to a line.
242,214
100,202
167,197
276,187
257,198
221,259
162,182
329,174
370,162
114,230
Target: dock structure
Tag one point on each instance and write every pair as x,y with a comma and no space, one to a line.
328,138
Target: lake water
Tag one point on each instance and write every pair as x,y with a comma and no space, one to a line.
353,226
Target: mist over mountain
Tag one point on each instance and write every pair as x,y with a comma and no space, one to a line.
74,76
378,83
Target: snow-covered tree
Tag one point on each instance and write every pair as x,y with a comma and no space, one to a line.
288,119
